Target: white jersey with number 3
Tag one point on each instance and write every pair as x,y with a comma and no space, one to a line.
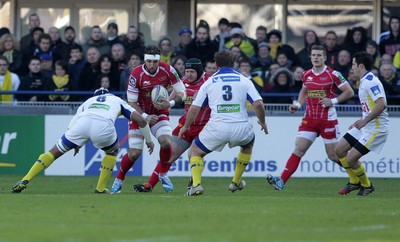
226,92
369,91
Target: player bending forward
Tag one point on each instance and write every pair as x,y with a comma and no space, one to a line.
93,121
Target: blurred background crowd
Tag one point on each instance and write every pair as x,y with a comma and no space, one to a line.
54,60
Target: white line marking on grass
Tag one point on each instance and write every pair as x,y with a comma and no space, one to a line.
374,227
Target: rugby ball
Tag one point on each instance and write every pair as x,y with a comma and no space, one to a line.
159,93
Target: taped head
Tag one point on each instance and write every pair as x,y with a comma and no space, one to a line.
195,64
100,91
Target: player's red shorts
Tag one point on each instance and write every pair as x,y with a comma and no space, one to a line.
326,128
161,117
191,135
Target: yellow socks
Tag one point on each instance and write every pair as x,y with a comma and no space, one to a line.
44,161
196,165
360,173
107,165
353,178
241,163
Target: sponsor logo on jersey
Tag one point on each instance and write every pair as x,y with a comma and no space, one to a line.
316,93
228,108
146,83
132,80
375,90
99,106
163,78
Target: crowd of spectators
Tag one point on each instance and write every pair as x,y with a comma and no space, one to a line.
43,61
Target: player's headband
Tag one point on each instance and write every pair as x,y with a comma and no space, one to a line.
151,57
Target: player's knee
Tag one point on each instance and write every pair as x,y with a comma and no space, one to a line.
134,154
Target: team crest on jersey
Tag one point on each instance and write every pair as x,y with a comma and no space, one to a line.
369,77
375,90
162,78
132,80
309,78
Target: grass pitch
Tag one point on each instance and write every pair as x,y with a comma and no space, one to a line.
66,209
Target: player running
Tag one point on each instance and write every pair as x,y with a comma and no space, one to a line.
320,85
141,82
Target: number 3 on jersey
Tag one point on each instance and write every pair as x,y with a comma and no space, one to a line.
228,92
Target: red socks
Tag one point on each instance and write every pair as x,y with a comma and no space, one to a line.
291,167
162,166
126,164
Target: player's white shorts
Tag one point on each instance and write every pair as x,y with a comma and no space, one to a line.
374,141
160,128
215,136
102,133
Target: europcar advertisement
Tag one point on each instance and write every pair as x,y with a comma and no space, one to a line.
21,142
270,153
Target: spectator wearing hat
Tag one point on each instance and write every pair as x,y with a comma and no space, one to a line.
223,36
239,39
282,82
133,42
112,34
46,65
96,40
201,47
261,61
33,22
4,31
310,39
275,43
69,37
185,37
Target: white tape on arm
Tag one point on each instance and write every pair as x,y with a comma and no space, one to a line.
334,101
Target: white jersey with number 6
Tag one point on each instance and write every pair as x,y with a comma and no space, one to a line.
226,92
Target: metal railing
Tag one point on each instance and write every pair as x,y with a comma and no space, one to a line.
51,107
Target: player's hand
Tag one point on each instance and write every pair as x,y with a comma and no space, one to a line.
76,150
150,146
263,127
359,124
182,132
293,108
152,119
326,102
161,106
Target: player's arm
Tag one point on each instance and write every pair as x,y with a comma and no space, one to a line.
380,105
347,93
301,99
259,109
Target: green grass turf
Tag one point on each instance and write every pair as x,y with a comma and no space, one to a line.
66,209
